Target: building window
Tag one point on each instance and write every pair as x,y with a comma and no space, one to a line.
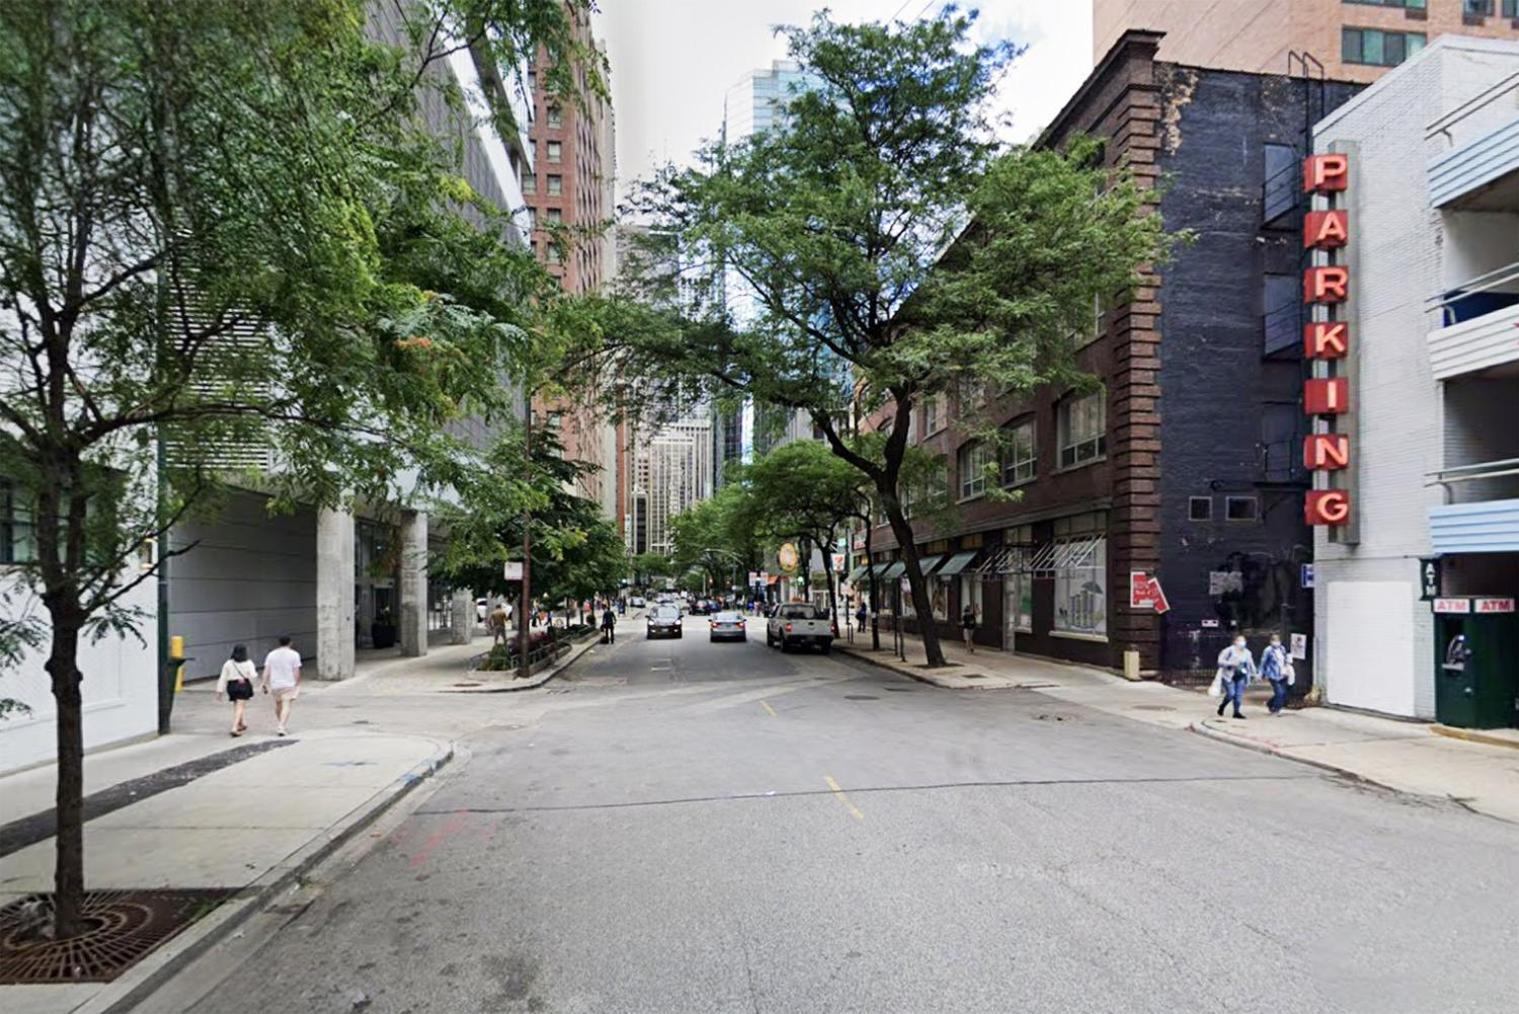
1093,329
556,185
555,215
1018,453
1417,5
551,253
555,151
529,183
555,116
1199,508
1241,508
973,461
1081,575
1377,48
1511,9
1083,429
17,538
933,419
1477,8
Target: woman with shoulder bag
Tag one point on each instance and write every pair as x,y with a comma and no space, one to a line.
236,684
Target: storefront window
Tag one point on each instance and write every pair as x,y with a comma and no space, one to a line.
1081,575
1017,583
970,592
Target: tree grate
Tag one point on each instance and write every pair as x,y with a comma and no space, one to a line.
120,928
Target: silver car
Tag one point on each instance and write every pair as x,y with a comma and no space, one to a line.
728,626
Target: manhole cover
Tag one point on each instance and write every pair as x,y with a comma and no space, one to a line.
120,928
860,697
898,690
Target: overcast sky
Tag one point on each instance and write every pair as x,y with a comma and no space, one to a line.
672,61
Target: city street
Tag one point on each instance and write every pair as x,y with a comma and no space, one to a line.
685,826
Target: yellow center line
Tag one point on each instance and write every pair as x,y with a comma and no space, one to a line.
855,810
767,707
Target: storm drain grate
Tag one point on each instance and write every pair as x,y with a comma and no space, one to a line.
121,927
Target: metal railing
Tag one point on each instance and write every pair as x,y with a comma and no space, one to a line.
1491,480
1450,301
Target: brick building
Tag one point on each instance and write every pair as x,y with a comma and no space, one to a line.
1352,40
569,192
1186,464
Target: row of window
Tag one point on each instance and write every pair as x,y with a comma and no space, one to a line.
1236,508
554,180
1478,8
1081,424
1379,48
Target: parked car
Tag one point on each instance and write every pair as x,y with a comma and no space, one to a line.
637,602
728,626
664,621
799,625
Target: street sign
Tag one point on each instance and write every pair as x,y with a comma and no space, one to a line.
512,570
1306,575
838,563
788,557
1158,597
1429,578
1145,593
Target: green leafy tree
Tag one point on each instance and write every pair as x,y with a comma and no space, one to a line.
224,229
894,248
648,566
712,537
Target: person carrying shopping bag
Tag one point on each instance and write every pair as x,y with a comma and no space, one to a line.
236,685
1276,666
1236,668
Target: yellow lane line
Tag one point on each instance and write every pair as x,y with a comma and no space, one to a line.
767,707
855,810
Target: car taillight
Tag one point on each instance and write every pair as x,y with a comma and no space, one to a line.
788,628
714,624
833,628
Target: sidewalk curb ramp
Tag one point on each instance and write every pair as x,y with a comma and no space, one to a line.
153,971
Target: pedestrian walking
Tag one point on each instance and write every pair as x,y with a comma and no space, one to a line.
968,627
1276,666
608,626
861,616
282,678
1236,668
236,685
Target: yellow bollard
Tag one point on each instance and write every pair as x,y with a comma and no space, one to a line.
177,650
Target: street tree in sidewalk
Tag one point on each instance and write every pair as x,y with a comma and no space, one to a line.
227,249
893,246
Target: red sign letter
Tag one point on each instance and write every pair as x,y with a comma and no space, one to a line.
1325,173
1326,285
1326,339
1327,451
1325,230
1326,507
1326,397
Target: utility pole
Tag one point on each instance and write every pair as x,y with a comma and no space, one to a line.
524,665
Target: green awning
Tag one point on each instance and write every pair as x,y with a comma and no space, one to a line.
856,574
957,563
928,563
894,570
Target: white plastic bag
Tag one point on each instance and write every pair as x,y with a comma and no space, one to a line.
1216,688
1290,673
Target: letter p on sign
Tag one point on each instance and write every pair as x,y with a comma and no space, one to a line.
1324,174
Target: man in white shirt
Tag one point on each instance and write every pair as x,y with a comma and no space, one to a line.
282,676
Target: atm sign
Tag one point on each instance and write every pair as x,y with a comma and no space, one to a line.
1493,605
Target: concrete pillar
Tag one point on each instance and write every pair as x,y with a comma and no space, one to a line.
413,589
462,617
334,594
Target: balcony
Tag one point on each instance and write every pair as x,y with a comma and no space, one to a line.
1483,516
1481,171
1479,325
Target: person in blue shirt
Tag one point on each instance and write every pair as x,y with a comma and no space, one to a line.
1276,666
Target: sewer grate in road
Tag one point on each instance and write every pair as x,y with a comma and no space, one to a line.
120,928
860,697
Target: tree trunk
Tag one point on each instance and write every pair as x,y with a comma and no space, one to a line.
875,607
63,667
833,600
902,529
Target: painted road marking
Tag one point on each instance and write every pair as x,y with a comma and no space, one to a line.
767,707
843,798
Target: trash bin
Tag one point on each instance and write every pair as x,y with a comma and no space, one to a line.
1477,663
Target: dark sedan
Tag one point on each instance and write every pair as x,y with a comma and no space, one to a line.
664,621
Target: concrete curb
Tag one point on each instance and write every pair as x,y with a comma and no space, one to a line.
149,974
1208,732
911,673
539,678
1473,736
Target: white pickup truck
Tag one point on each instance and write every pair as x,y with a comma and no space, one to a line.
799,625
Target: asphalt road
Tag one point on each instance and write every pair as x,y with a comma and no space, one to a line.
698,827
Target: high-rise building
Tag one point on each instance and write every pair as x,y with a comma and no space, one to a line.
1350,40
569,195
673,472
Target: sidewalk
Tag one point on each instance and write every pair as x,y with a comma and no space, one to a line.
248,815
1413,757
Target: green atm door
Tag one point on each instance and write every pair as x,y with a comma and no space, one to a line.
1477,663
